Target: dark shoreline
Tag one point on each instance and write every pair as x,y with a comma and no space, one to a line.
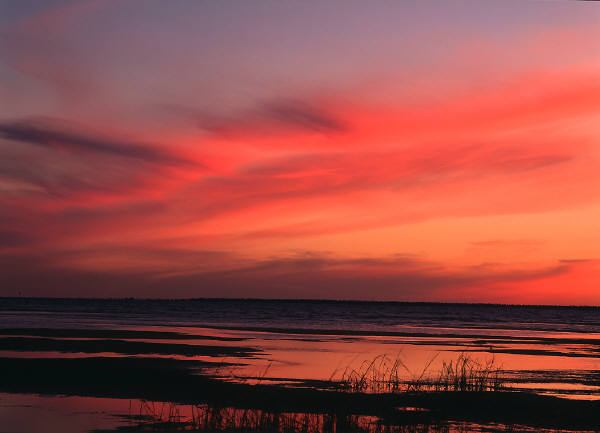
33,344
110,334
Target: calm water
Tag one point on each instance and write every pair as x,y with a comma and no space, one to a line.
366,316
548,350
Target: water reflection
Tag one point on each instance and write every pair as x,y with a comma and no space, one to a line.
42,414
169,417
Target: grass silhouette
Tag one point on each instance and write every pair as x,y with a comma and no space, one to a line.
384,374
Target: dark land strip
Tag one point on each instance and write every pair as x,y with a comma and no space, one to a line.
111,333
33,344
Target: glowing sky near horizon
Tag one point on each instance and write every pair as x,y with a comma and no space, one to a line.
417,150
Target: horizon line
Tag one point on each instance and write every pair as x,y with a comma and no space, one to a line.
314,300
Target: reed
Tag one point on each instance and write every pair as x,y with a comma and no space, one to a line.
381,374
384,374
469,375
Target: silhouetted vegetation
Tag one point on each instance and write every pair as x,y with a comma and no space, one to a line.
384,374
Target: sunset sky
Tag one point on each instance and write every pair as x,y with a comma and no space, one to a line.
391,150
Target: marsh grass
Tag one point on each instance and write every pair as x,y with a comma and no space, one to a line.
381,374
384,374
469,375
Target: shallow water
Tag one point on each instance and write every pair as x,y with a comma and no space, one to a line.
550,350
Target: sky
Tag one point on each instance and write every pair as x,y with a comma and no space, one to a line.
411,151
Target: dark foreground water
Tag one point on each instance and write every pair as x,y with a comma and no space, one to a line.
544,350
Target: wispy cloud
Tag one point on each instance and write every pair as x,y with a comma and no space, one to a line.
283,115
47,133
59,158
